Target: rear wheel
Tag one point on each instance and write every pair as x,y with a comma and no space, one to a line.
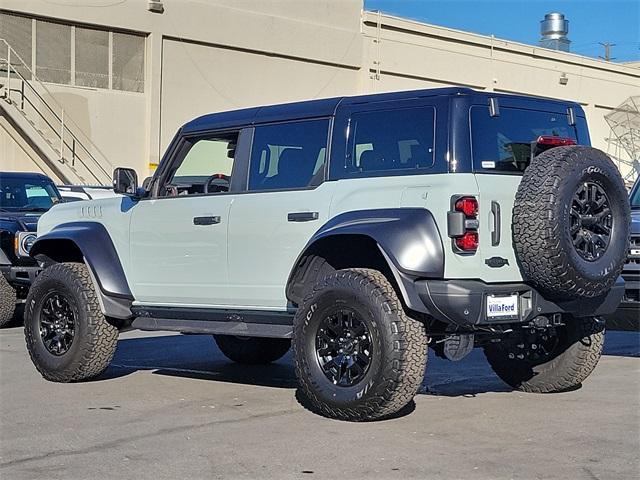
68,337
358,356
252,350
555,359
7,302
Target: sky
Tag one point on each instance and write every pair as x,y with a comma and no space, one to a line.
590,21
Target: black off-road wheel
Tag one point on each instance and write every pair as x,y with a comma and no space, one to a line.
68,337
7,302
571,223
554,360
358,356
252,350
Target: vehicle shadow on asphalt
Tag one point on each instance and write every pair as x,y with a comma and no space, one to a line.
197,357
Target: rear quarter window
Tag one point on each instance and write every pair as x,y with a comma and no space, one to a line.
391,142
506,143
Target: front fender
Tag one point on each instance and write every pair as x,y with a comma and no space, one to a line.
96,246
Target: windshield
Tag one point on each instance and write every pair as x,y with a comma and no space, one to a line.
23,194
635,196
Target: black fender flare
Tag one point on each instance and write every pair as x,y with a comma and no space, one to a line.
99,253
408,238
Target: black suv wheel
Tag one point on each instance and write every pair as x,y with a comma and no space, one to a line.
252,350
358,356
7,302
68,337
571,223
550,360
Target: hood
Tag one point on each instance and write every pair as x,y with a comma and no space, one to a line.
19,221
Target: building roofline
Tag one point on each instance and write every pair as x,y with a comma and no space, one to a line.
408,25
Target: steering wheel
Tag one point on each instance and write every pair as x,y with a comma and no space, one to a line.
218,182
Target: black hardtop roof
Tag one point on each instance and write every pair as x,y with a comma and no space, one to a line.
327,107
25,175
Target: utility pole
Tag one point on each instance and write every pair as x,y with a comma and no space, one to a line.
607,51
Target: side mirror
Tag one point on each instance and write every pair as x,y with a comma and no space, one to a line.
125,181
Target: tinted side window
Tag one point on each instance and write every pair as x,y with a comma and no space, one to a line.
391,140
288,155
203,166
507,142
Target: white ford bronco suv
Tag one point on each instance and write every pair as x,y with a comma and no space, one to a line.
358,230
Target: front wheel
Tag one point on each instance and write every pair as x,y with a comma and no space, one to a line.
552,360
358,356
68,337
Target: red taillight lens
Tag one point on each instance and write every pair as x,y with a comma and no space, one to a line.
467,242
554,141
468,206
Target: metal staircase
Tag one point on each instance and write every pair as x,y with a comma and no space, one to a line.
32,110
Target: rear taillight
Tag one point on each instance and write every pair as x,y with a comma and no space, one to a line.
468,206
552,141
463,224
467,242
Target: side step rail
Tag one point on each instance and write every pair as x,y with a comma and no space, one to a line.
218,322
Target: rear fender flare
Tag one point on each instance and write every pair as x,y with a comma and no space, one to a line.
408,238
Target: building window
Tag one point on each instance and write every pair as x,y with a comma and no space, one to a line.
53,52
128,62
76,55
92,58
16,31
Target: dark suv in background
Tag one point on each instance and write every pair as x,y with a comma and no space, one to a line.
24,197
628,315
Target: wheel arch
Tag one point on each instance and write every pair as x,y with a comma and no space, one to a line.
89,243
402,243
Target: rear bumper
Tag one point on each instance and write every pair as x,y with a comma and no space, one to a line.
20,276
464,302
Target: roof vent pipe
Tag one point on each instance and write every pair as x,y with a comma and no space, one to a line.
554,30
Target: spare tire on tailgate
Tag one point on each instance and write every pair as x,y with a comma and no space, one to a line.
571,223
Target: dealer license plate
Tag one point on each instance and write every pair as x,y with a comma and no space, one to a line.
502,306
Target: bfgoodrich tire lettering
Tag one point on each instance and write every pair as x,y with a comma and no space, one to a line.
398,347
7,302
94,340
578,350
544,221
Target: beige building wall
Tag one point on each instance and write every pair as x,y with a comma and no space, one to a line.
215,55
402,54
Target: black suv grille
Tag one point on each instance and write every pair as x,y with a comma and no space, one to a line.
631,271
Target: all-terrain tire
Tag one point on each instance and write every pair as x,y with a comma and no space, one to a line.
94,342
7,302
576,356
252,350
542,223
398,347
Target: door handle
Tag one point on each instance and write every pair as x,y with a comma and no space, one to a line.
302,216
495,233
206,220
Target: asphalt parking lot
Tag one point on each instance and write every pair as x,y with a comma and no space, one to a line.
171,406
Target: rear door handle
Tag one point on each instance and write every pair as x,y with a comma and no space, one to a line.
206,220
302,216
495,234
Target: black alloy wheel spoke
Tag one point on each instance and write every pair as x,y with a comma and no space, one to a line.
57,324
343,347
591,221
